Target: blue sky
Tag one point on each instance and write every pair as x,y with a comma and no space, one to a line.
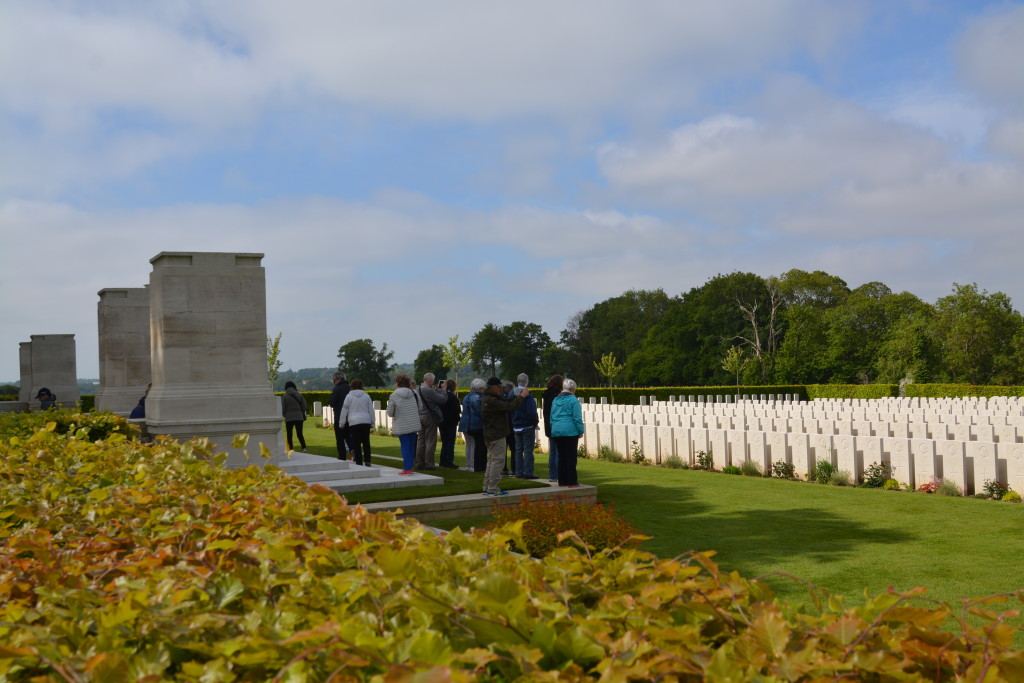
415,170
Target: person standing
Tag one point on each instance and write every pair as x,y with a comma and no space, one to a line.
293,407
495,412
550,394
403,407
431,402
524,429
357,413
472,427
337,401
567,428
451,412
47,399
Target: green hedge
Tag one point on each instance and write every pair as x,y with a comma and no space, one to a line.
124,562
958,390
852,390
631,395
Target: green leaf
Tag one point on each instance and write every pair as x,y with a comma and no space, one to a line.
577,645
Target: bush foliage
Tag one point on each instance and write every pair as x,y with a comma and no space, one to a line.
565,523
123,562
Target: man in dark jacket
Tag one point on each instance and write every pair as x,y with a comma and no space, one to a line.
524,428
495,412
341,388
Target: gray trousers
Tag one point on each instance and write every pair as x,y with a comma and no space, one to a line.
495,464
426,442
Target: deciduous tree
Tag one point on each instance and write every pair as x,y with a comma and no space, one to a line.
360,358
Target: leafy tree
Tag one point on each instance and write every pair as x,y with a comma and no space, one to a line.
487,347
610,369
431,360
274,358
806,297
457,355
976,334
736,362
909,349
618,325
360,358
554,360
524,344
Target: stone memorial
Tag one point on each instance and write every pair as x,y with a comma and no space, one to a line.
125,369
209,352
49,361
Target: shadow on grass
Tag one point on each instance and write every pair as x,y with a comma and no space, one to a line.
755,538
748,531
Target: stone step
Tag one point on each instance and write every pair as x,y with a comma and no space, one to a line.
387,480
338,474
308,462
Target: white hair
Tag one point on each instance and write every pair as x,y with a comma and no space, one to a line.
568,385
429,378
477,385
523,380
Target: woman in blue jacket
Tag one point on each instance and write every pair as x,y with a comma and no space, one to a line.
566,430
472,426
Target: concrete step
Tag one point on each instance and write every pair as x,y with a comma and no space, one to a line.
308,462
387,480
339,474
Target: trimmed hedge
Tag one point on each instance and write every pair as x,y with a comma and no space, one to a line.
852,391
125,562
960,390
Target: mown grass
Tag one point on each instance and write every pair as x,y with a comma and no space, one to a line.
846,540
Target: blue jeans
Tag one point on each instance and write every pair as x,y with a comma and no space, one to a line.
522,457
552,460
408,444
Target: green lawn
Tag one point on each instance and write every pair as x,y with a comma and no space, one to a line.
843,539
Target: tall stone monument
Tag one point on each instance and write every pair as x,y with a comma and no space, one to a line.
208,334
49,361
125,369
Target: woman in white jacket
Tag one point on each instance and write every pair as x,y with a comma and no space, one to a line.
404,409
357,412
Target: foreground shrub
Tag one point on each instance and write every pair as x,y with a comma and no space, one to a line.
929,486
948,487
546,526
731,469
1011,497
608,453
995,489
891,485
704,461
783,469
676,462
841,478
125,562
749,468
876,474
84,426
823,471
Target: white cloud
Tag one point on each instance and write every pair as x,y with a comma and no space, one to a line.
991,52
727,161
102,90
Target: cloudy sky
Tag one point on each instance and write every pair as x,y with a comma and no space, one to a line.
414,170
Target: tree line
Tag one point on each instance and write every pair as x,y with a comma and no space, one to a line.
796,328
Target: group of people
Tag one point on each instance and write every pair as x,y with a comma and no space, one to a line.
493,417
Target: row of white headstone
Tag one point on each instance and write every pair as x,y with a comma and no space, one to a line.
968,441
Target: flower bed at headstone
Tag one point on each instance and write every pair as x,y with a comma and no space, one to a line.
122,562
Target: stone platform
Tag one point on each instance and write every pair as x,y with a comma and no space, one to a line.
477,504
344,475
